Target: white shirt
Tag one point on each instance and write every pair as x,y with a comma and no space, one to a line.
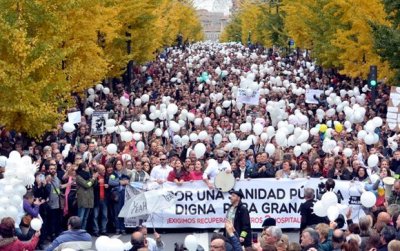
151,245
160,172
215,168
242,171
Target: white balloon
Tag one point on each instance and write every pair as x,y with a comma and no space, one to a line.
199,149
203,135
373,160
158,132
185,140
89,111
217,139
140,146
270,149
115,244
333,212
145,98
3,161
68,127
102,242
112,149
329,199
193,137
244,145
106,91
191,242
368,199
347,152
232,137
126,136
258,129
36,224
319,209
297,151
218,110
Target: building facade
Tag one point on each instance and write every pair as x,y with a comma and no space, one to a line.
213,23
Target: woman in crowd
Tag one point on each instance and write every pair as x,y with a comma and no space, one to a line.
179,174
9,242
117,182
305,170
316,170
85,181
339,171
197,173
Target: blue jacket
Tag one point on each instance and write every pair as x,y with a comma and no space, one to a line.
70,235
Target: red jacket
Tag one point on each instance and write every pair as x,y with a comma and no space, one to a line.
19,245
185,176
196,175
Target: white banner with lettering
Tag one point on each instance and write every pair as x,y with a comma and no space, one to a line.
244,97
199,207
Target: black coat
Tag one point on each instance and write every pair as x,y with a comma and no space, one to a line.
242,224
308,217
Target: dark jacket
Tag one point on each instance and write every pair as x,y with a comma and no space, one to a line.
247,173
346,175
242,224
84,192
269,173
308,217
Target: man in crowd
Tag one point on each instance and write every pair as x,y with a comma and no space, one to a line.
309,239
160,172
239,215
215,167
54,201
155,244
308,218
74,237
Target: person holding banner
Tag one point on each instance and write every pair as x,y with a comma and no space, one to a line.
239,215
215,167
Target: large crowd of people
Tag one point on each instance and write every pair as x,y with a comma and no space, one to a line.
79,176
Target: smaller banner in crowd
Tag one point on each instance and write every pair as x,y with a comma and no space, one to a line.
74,117
99,119
244,98
393,111
311,94
199,207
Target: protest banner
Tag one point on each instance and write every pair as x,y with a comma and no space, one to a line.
74,117
99,119
393,111
310,93
199,207
253,99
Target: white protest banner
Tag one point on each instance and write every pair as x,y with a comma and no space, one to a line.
253,99
74,117
99,119
310,93
199,207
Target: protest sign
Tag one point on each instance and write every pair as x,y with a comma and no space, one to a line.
310,93
99,119
393,111
74,117
253,99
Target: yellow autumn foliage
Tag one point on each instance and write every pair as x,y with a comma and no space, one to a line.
52,49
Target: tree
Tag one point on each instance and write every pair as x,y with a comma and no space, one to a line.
52,49
355,39
387,38
48,50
